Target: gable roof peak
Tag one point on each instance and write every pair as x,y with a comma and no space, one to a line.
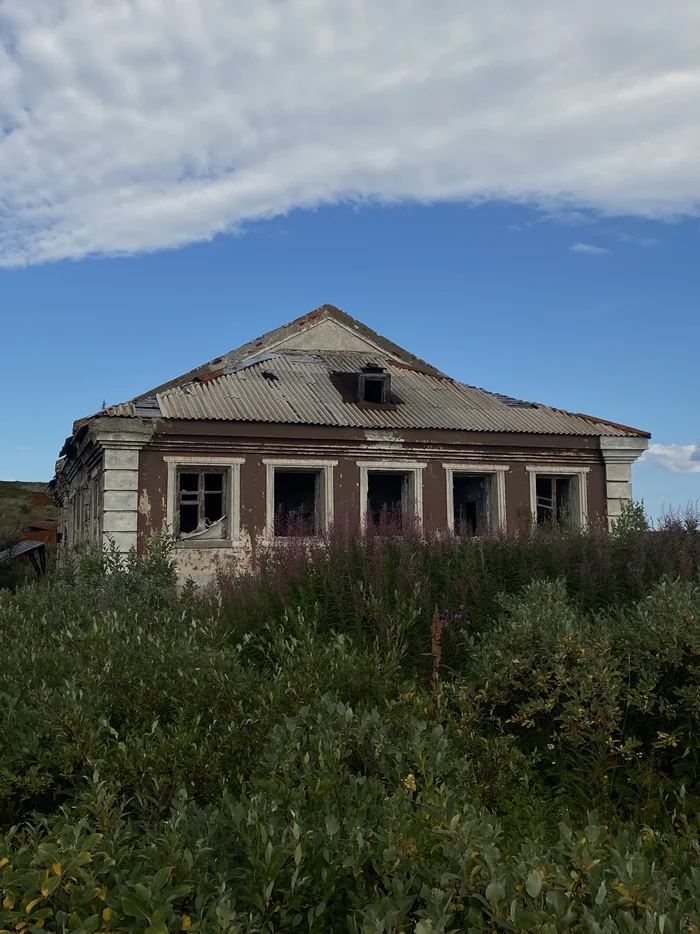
325,329
328,328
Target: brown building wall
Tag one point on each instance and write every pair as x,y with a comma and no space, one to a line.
153,487
434,495
253,507
347,446
596,494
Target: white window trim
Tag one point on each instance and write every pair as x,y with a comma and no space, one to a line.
497,472
414,468
559,470
324,467
233,497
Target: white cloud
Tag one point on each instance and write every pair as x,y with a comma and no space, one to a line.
131,125
676,458
590,249
636,240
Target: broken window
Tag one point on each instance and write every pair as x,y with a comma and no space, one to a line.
472,504
554,496
296,498
201,503
387,498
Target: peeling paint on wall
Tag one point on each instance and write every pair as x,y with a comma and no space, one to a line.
145,504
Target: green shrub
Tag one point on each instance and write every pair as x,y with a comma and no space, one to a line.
310,750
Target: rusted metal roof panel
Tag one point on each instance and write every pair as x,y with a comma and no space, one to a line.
296,388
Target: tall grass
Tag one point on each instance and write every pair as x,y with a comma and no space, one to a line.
369,583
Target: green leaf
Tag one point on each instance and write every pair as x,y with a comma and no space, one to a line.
523,920
602,892
50,884
136,907
161,928
534,884
160,878
332,825
558,900
424,927
176,891
495,891
92,924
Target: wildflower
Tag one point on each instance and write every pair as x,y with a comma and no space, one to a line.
458,615
550,745
409,783
444,624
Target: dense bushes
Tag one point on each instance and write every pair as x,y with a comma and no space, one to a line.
279,756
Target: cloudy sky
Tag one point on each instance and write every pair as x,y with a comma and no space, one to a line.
550,145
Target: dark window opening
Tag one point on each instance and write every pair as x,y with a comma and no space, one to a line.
296,499
386,498
200,501
373,386
472,504
374,390
553,499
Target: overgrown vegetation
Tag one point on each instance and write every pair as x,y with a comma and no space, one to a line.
315,748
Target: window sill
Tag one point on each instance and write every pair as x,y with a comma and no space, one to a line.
296,539
208,544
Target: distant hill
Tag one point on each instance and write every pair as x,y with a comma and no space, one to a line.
21,503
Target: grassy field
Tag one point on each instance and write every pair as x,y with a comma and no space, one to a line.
388,735
16,510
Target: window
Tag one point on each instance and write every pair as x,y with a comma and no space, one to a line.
472,504
201,503
559,493
373,385
476,497
373,390
387,498
553,499
299,497
296,503
391,493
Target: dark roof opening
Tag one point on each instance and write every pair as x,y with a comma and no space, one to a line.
373,390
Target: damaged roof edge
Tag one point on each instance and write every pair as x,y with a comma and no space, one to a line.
606,421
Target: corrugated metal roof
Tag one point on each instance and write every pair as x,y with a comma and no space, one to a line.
296,388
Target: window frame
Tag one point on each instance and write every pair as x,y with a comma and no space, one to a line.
323,468
497,475
231,467
579,488
414,471
383,378
201,492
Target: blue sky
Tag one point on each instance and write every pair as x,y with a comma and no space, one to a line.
510,190
513,310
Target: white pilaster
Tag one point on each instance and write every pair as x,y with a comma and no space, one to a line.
121,444
619,454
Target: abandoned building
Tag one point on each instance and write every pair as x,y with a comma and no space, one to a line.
321,420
